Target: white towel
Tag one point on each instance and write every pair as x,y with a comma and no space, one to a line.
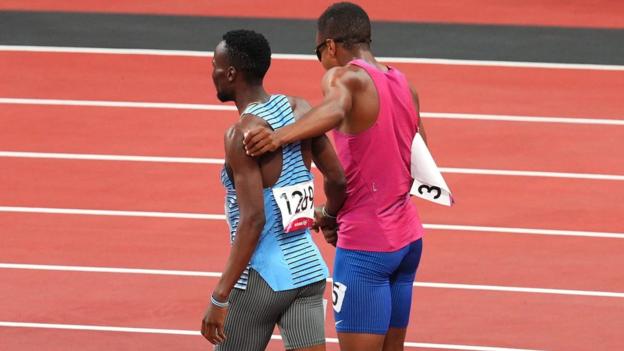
428,181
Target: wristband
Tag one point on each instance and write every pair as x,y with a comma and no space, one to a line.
324,211
219,304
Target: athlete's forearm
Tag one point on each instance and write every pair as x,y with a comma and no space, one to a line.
336,194
334,182
247,236
317,121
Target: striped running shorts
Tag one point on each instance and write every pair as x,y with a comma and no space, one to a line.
254,312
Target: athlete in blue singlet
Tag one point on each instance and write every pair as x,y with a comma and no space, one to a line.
275,274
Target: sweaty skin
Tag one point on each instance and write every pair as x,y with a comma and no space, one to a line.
350,104
250,176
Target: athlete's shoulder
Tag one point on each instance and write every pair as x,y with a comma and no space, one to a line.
299,105
349,75
235,133
344,72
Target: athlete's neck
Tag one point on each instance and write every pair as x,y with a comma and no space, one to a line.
249,94
365,55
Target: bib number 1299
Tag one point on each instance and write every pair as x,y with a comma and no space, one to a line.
296,204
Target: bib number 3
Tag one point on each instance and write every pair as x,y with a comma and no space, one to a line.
296,204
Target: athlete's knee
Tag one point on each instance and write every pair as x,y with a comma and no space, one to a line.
360,341
395,339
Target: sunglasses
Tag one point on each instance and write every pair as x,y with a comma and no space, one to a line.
319,48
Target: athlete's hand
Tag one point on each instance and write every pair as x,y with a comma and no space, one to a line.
322,221
328,225
212,325
260,140
331,236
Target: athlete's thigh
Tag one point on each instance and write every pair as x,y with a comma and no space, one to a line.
395,339
361,291
402,285
302,325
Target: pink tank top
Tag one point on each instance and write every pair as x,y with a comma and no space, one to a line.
378,214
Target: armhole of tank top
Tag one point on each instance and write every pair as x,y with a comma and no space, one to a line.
379,100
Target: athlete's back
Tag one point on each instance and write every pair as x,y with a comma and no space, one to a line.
378,214
286,256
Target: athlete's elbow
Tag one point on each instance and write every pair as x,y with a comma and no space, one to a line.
252,224
339,113
337,181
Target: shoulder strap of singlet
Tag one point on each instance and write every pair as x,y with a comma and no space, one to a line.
277,112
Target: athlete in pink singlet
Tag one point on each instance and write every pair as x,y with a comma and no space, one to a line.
374,114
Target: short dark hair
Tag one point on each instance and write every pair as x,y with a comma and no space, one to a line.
347,21
249,52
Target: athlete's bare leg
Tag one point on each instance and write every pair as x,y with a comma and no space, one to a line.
360,342
395,339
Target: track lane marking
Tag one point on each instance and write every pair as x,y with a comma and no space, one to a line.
220,161
206,216
185,273
216,107
100,328
299,57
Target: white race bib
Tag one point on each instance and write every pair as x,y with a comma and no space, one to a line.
296,203
338,295
428,181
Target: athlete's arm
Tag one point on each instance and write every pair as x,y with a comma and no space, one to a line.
326,160
334,182
337,86
248,183
334,186
421,127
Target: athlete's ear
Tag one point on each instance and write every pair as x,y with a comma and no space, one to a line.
231,74
331,48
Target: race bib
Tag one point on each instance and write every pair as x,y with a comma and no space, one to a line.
338,295
428,181
296,203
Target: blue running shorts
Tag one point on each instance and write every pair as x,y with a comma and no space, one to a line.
372,291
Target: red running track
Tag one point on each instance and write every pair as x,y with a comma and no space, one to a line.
197,245
192,133
570,13
525,202
455,316
439,315
442,88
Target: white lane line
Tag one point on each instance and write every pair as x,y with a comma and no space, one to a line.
47,267
517,289
129,104
500,172
213,107
480,287
220,161
99,328
205,216
531,119
72,211
529,231
99,157
430,61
